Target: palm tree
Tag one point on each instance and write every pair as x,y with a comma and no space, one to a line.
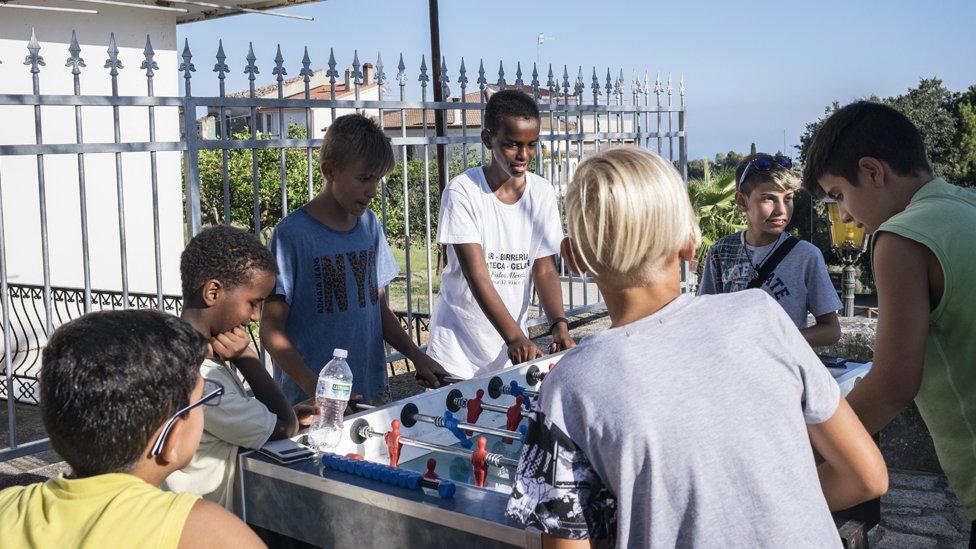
713,199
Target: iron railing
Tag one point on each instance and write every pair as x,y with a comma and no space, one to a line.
580,116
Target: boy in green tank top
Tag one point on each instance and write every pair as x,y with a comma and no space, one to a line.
871,159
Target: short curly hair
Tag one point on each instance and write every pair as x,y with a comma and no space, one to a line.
509,103
223,253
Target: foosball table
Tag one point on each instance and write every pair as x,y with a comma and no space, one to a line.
432,470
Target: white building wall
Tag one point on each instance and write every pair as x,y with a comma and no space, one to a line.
18,175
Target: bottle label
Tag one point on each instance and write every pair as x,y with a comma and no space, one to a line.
336,390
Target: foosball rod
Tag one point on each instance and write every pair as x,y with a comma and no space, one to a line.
497,388
495,460
456,401
409,416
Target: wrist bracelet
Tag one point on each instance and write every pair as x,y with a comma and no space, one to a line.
557,320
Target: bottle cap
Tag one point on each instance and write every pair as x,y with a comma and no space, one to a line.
340,353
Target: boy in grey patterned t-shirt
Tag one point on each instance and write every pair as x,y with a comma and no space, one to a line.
689,422
799,283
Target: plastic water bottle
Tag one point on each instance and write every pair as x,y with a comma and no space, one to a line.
332,394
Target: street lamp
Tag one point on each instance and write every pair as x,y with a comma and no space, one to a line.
849,242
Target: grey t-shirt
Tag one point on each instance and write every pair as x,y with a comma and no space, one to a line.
684,429
800,283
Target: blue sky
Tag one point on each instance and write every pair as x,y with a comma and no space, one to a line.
753,69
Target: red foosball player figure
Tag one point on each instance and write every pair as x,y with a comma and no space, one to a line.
479,463
513,417
393,445
431,465
474,408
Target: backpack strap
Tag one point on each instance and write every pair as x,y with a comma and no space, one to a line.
774,260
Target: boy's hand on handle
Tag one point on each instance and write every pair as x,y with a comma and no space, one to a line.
306,412
428,371
561,339
230,344
523,350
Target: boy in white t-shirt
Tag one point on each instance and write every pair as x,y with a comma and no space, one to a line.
502,230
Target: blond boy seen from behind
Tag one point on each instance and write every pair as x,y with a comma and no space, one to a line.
647,433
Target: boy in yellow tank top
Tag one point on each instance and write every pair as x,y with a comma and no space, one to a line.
871,159
121,398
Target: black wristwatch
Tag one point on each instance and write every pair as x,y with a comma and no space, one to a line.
557,320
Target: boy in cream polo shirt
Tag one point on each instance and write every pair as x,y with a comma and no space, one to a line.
226,275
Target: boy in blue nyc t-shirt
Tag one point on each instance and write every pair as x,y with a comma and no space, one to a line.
334,263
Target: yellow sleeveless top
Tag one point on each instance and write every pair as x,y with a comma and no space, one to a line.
112,510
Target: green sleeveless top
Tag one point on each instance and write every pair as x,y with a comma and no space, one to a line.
942,217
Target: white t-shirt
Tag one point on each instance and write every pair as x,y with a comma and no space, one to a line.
513,236
238,421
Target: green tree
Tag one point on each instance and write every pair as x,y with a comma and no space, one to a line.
965,145
241,186
930,107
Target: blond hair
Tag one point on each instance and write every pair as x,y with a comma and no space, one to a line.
628,212
782,178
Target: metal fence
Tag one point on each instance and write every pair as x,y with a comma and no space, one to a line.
580,115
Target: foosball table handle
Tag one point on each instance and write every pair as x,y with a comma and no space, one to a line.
410,480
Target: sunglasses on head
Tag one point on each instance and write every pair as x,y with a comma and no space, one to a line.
212,392
764,163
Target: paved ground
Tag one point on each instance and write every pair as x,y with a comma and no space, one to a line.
919,510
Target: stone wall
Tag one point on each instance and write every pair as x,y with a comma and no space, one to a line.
905,442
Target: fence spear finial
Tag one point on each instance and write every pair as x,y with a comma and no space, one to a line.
535,81
186,67
149,63
482,81
501,76
401,76
423,78
74,58
445,89
279,69
34,58
251,70
113,64
462,75
357,74
332,73
518,75
380,77
220,67
306,73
